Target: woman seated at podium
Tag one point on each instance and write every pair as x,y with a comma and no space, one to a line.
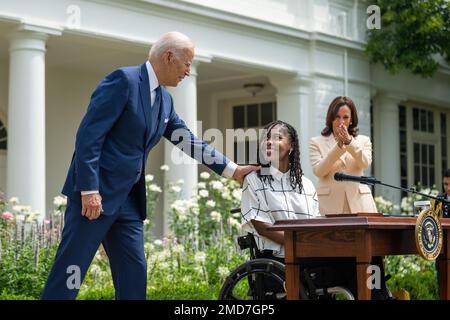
280,191
341,149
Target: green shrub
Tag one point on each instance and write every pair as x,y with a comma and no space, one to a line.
414,274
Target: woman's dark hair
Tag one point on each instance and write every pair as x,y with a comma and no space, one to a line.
333,110
295,168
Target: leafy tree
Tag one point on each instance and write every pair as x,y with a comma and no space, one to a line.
413,34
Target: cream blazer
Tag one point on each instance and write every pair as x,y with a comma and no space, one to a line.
326,159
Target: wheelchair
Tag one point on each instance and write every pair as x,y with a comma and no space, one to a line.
262,278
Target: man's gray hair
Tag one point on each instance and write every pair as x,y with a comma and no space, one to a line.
174,41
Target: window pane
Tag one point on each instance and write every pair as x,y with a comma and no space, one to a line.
239,152
403,166
424,180
423,120
430,121
431,175
431,154
416,174
238,117
266,113
403,141
416,119
444,147
252,115
424,159
416,153
443,124
402,116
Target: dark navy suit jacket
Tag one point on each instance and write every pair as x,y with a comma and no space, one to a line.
116,135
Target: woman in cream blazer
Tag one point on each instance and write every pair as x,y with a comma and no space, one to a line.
341,149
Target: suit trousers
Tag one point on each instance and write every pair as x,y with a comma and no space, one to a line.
122,237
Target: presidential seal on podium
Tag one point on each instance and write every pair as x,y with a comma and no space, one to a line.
429,236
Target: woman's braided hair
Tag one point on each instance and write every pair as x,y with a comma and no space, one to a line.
295,167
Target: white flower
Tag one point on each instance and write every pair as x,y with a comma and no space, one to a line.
14,200
175,189
210,203
216,216
22,209
157,242
192,203
148,178
164,265
34,216
164,167
201,185
234,223
237,194
226,194
59,201
146,221
179,206
180,181
95,270
217,185
195,211
178,248
57,213
223,271
200,257
154,188
203,193
205,175
182,216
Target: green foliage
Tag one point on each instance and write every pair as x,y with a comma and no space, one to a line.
412,33
27,249
192,262
414,274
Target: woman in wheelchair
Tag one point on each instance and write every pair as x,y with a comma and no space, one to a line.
280,191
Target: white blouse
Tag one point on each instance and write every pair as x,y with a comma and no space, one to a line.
276,201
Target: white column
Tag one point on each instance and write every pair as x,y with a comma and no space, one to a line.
386,145
294,107
185,103
26,117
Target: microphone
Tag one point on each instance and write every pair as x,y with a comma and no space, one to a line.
339,176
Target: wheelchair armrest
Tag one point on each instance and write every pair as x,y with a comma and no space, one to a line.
247,242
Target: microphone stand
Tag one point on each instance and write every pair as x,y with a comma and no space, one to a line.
370,181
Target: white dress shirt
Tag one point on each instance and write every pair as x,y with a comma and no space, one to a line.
268,203
228,172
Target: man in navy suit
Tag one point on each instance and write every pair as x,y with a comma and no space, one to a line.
129,112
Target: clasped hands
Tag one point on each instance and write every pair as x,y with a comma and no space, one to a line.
343,138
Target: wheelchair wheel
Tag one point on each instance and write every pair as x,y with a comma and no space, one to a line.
257,279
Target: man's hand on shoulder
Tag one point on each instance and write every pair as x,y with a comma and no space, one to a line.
242,171
91,205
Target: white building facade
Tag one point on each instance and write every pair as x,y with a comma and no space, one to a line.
305,52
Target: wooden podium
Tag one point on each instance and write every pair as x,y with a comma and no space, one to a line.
354,235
